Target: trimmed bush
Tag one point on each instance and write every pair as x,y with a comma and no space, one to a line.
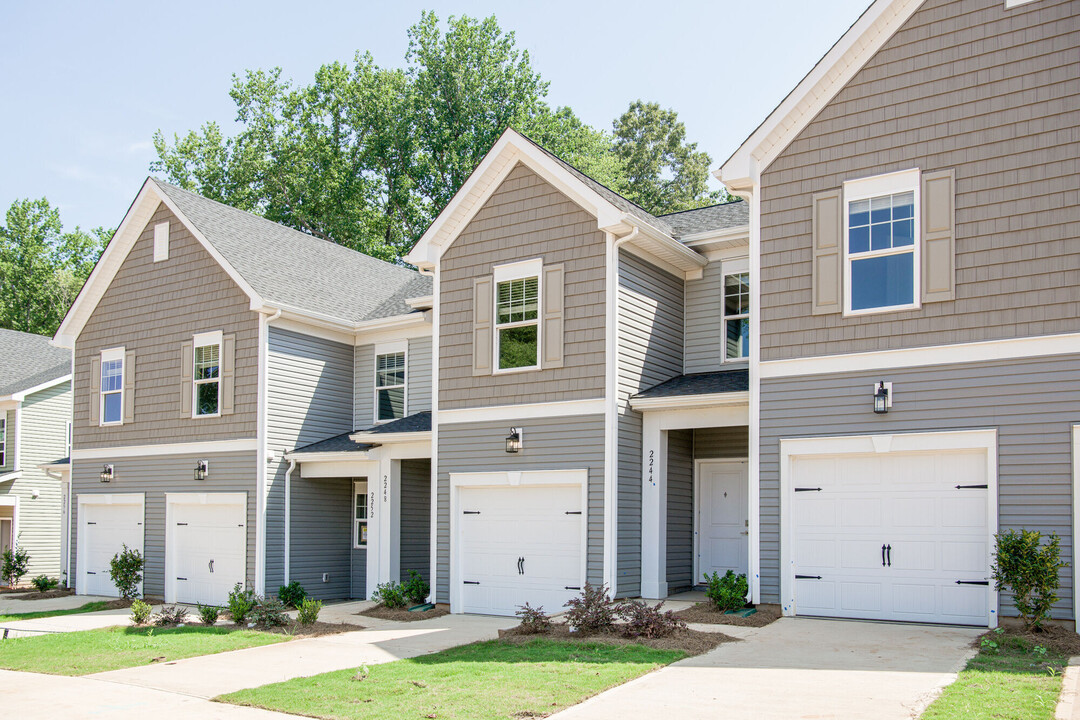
533,620
16,560
171,615
645,621
241,602
44,583
391,595
140,612
592,611
292,594
268,612
209,614
308,612
415,588
1028,568
125,569
728,592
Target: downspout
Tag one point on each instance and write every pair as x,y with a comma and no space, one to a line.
611,448
288,515
260,453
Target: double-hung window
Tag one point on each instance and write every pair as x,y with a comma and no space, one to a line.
112,386
737,316
360,513
882,243
517,315
390,383
206,375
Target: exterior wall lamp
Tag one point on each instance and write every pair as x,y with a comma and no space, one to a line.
202,469
108,473
882,397
514,440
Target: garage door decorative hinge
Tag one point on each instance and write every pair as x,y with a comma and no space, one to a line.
973,582
181,523
471,512
91,522
91,572
180,578
972,487
573,512
807,489
807,577
472,582
571,587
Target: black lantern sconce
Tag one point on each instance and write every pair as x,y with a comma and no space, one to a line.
514,440
202,469
882,397
107,473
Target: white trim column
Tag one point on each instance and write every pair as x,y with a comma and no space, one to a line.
653,508
384,523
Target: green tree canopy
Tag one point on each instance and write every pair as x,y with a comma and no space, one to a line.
42,268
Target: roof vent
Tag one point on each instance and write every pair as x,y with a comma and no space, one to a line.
161,241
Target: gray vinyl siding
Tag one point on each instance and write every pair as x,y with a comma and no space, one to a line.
359,573
525,218
705,321
563,443
419,372
680,510
650,336
415,527
1032,403
721,443
971,86
321,537
309,398
10,432
363,386
155,476
45,415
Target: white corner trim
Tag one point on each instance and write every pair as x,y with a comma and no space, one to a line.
1076,496
681,402
982,351
526,411
23,394
194,448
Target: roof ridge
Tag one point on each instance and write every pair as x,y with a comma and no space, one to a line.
703,207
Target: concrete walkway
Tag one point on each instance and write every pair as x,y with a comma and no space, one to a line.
69,623
10,606
798,668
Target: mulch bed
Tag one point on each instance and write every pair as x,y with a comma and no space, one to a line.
403,615
316,629
1052,637
117,604
707,613
692,642
24,594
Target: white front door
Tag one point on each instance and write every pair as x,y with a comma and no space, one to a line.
104,529
723,518
892,536
518,545
206,547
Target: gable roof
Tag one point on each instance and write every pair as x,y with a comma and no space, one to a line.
846,57
28,360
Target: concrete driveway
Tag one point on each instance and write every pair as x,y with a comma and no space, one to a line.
798,668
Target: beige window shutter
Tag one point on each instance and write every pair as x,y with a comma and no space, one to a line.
483,309
187,368
228,373
938,236
828,229
95,391
129,387
554,302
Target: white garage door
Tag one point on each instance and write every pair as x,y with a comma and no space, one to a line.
104,528
892,536
518,545
205,546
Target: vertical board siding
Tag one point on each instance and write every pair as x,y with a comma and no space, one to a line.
321,537
416,518
364,387
971,86
155,476
45,415
564,443
1032,403
680,510
705,321
650,351
419,370
151,309
525,218
721,443
309,398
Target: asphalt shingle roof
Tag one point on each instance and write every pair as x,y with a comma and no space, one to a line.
701,384
338,443
293,268
28,360
417,422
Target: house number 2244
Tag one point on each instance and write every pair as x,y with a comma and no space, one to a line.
650,467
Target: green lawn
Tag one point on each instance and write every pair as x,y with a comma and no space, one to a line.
88,607
1016,680
492,679
91,651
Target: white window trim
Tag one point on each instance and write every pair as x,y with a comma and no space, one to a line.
3,439
505,273
389,348
369,501
728,272
1016,3
877,186
118,353
215,337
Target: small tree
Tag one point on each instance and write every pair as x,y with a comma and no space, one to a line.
1029,570
125,569
16,561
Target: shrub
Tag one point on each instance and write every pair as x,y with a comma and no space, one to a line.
269,612
44,583
16,560
292,594
644,620
416,588
241,603
1029,570
140,612
391,595
125,569
308,612
728,592
533,620
171,615
592,611
209,613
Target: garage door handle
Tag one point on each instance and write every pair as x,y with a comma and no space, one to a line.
571,587
91,522
91,572
573,512
211,566
807,577
883,555
972,582
181,523
888,553
180,578
471,512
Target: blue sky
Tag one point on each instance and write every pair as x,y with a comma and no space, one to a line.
85,85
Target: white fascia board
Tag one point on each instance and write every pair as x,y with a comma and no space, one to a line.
414,324
663,250
342,456
715,237
7,477
23,394
373,438
138,215
525,411
680,402
850,53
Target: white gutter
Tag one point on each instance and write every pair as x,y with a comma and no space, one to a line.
288,515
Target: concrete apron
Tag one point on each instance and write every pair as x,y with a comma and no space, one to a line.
799,668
